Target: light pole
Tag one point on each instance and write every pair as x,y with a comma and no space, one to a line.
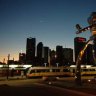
8,66
57,64
45,64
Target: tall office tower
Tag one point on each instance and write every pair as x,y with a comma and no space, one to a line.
59,55
30,51
39,54
53,58
22,58
79,43
46,56
90,55
68,56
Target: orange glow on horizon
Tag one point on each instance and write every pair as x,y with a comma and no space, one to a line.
4,58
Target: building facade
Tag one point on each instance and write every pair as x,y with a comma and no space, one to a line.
68,56
53,58
40,56
59,55
30,51
46,56
22,58
79,43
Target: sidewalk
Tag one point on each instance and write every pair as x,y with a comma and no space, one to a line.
12,78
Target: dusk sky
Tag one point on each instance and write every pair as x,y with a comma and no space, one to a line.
49,21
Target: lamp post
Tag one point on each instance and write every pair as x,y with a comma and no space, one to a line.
8,66
57,64
45,64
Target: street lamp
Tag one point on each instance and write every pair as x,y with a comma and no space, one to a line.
57,64
45,64
8,66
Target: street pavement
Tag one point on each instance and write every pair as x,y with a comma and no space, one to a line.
37,89
19,86
12,78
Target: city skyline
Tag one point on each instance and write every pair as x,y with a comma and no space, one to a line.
32,49
50,21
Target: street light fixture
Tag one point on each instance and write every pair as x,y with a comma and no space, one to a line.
57,64
45,64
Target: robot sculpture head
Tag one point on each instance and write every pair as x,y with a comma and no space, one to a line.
92,21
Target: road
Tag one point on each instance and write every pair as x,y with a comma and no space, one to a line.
33,88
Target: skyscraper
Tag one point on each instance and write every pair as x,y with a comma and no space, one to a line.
59,55
79,43
39,54
46,55
40,50
68,56
30,50
53,58
22,58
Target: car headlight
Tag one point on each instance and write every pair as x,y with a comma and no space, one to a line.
89,80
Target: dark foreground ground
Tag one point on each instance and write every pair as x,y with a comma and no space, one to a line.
38,87
89,88
39,90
